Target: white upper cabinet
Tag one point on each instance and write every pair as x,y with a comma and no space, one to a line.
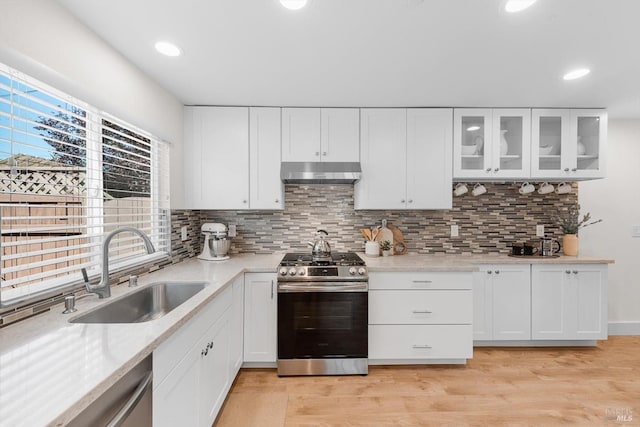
406,159
568,144
491,143
216,149
383,156
320,134
232,158
266,190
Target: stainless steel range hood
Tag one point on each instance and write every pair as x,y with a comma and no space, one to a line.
320,172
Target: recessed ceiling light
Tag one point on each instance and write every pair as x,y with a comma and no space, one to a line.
167,48
576,74
513,6
294,4
472,128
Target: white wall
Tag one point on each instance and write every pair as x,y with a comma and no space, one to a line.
42,39
615,199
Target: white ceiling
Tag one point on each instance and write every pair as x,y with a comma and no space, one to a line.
381,52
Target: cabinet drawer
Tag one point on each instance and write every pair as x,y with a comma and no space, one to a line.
420,342
420,307
171,351
420,280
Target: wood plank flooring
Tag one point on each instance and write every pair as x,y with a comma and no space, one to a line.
498,387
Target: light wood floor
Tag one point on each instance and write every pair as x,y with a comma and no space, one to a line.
498,387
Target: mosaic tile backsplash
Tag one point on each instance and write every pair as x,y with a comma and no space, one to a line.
487,224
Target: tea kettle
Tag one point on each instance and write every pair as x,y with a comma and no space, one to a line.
321,250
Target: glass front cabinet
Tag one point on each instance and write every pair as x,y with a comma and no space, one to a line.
568,144
491,143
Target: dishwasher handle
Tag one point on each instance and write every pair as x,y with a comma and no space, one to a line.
131,404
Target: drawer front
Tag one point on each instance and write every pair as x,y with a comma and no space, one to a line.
171,351
420,342
420,280
420,307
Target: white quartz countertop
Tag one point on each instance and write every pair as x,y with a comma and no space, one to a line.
50,369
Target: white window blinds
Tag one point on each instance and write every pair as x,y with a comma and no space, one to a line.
69,175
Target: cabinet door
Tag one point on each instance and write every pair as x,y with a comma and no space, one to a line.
551,144
176,400
569,302
340,135
214,371
511,301
511,138
300,134
429,165
221,152
472,144
589,129
236,346
482,306
260,311
383,159
266,188
192,156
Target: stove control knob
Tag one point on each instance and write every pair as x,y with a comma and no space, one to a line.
292,272
283,271
361,271
301,272
353,270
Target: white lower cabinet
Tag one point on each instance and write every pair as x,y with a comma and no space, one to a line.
420,317
236,340
502,303
194,368
260,313
569,302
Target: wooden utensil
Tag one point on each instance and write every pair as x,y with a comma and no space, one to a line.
366,233
374,234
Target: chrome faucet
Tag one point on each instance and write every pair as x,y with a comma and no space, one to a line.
102,289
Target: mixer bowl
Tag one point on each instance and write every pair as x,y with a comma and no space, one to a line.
219,247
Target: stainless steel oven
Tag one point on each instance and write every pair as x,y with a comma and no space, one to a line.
322,316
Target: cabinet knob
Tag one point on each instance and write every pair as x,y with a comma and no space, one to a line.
324,153
497,271
574,169
317,153
566,169
575,271
488,169
402,201
567,272
496,169
489,271
244,201
277,201
410,201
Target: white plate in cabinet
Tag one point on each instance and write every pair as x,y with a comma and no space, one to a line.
420,307
420,342
420,280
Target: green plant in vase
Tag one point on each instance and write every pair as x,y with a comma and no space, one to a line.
386,248
570,223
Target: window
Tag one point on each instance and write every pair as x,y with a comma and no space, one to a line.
70,174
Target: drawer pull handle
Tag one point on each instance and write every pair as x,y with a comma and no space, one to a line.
423,281
421,346
422,312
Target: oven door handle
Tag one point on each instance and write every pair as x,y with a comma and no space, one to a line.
325,287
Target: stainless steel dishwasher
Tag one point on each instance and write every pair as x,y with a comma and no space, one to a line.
126,404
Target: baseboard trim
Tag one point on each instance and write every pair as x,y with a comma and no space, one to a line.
537,343
624,328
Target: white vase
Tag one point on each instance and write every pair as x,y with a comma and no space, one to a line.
581,148
504,146
372,249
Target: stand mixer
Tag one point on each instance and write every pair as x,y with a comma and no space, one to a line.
216,242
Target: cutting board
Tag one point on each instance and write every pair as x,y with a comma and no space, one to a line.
385,233
400,248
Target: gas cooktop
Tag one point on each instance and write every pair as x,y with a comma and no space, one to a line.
305,259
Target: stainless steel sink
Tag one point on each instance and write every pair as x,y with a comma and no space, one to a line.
143,305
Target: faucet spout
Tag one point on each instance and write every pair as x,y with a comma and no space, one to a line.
102,289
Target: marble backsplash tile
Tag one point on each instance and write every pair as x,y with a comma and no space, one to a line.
487,224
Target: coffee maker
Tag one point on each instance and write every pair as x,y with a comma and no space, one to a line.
216,242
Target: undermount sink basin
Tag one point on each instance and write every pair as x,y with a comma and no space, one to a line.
143,305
